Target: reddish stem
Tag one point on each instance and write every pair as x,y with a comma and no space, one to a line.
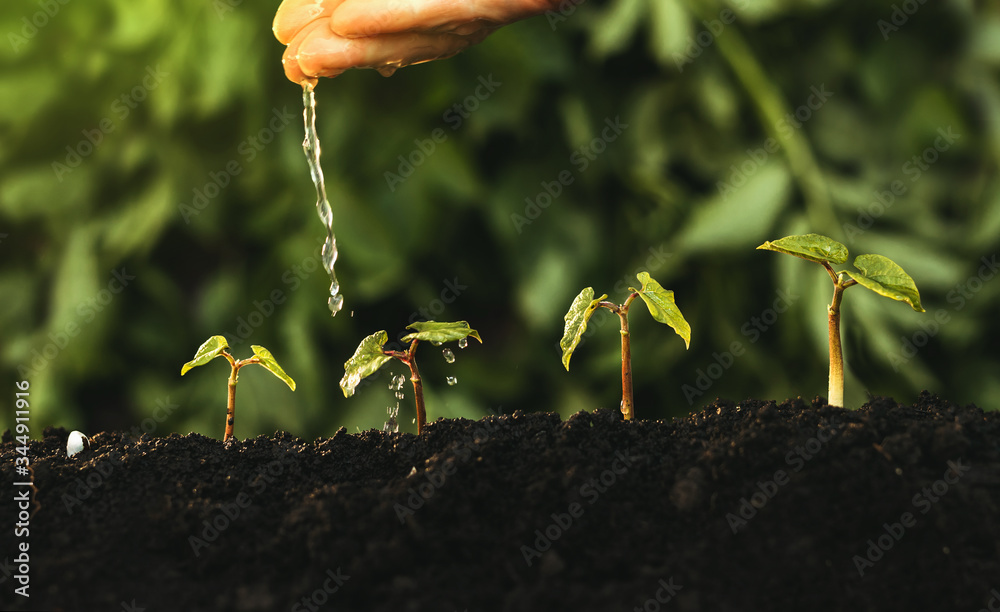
409,358
627,405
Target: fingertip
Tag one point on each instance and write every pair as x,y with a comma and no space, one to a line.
292,17
326,55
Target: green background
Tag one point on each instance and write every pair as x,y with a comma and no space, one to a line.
185,97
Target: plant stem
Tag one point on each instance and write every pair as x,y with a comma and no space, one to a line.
627,405
231,403
418,387
409,358
835,393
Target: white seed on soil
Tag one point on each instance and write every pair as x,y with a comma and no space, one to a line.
451,380
75,443
449,356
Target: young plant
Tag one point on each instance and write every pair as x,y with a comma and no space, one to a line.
878,273
660,303
370,356
217,345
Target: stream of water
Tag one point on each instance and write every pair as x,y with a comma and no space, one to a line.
311,146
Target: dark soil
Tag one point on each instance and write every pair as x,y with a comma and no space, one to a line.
634,511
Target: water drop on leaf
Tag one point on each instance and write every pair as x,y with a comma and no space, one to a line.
462,343
449,356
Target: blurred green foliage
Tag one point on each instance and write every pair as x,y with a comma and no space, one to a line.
153,192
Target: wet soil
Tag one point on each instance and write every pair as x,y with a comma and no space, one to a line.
743,506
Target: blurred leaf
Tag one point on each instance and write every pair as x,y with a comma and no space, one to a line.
885,277
209,350
36,192
615,30
367,359
669,29
268,361
543,284
139,226
576,318
737,220
75,287
43,87
135,24
661,305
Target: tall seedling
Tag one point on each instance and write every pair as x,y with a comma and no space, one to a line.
878,273
660,303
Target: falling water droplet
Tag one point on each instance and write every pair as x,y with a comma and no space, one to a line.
389,69
312,149
392,425
451,380
449,356
464,342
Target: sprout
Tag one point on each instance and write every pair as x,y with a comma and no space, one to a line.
660,303
217,345
74,443
370,356
878,273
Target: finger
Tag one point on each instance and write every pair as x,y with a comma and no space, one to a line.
290,59
355,18
294,15
322,53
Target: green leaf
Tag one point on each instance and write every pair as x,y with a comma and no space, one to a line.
576,322
669,29
267,360
734,219
660,303
432,331
206,352
885,277
614,30
365,362
813,247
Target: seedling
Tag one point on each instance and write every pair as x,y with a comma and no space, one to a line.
660,303
217,345
371,355
878,273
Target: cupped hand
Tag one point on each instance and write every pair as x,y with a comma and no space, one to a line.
328,37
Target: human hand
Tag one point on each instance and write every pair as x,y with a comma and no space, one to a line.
328,37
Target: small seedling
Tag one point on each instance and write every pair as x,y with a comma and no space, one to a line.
371,355
217,345
878,273
660,303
